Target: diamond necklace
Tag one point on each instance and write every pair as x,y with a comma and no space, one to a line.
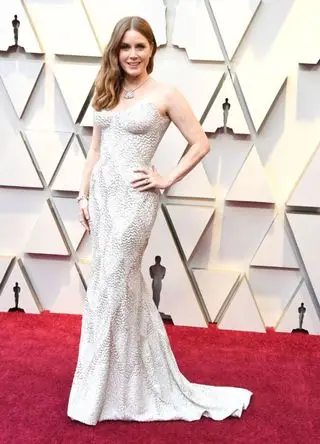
128,93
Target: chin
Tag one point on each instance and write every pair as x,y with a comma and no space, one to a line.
134,71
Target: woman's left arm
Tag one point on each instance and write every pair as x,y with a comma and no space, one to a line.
181,114
183,117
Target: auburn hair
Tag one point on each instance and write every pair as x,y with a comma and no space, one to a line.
109,81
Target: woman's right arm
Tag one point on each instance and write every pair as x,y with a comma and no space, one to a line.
92,158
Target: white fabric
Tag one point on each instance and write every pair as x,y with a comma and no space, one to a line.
126,369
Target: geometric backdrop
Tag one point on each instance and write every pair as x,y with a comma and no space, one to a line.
240,235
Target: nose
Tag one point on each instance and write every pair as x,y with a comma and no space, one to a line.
133,53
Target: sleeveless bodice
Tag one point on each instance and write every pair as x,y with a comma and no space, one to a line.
130,137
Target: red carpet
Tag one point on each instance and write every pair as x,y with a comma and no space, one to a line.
37,359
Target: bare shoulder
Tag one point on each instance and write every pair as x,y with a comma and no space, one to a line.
167,95
167,91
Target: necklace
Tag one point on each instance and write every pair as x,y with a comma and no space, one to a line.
129,92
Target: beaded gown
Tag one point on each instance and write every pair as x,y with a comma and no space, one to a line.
126,369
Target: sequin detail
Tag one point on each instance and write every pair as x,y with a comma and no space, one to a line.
126,369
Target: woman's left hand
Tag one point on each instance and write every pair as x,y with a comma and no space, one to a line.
148,178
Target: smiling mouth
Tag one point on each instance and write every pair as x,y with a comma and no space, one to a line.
133,65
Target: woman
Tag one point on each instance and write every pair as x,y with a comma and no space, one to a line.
126,369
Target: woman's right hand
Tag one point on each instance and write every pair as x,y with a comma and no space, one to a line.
84,213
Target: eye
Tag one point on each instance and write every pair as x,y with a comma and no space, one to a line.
124,46
141,46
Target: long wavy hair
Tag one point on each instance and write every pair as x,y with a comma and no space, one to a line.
110,78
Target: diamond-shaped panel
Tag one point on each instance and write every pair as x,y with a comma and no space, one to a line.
19,78
272,291
189,223
251,184
70,172
104,18
75,35
65,293
16,167
275,250
75,93
48,148
215,287
45,237
242,313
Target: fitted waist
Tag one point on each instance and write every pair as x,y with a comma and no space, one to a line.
127,172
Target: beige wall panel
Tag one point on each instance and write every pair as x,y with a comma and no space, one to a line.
223,162
194,32
251,183
48,148
20,210
242,313
19,78
16,167
63,27
103,17
46,109
306,192
272,291
233,26
75,93
57,284
70,172
215,287
232,238
291,133
275,250
5,261
189,223
45,237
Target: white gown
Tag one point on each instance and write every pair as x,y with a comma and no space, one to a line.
126,369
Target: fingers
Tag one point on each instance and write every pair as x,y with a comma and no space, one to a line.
141,182
146,187
146,180
84,219
142,170
85,226
86,214
142,178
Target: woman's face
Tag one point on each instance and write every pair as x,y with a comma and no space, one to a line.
135,53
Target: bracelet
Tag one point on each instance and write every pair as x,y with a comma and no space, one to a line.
80,198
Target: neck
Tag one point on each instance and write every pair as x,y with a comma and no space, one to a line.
132,81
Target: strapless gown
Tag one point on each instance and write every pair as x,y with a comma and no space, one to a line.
126,369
